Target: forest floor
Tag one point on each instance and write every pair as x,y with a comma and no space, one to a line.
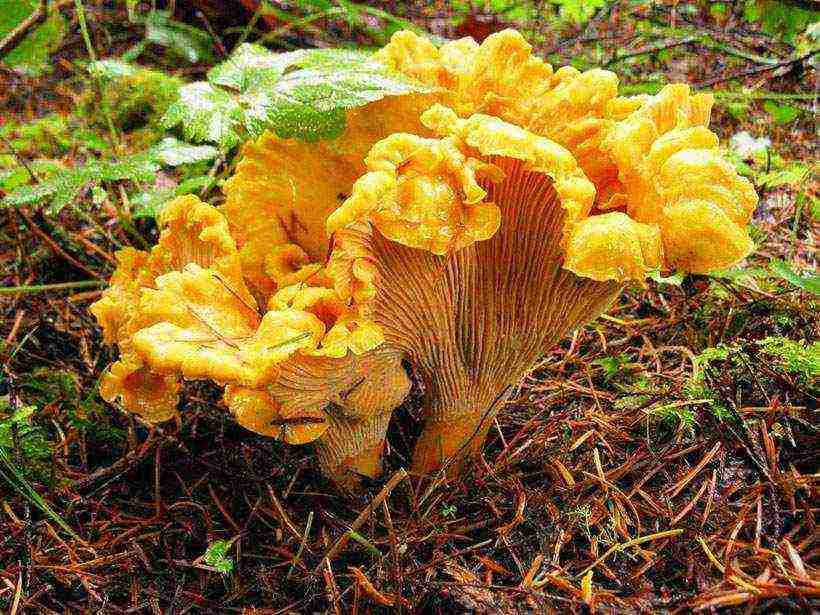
663,459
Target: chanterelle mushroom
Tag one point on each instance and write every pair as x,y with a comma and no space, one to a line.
306,367
464,231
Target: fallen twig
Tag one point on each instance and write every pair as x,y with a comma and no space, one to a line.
340,544
760,69
17,34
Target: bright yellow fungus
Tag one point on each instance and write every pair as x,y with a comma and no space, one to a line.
461,232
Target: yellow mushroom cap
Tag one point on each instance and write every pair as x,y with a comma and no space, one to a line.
490,136
256,410
112,310
421,193
152,396
344,331
700,237
612,246
351,265
206,328
191,232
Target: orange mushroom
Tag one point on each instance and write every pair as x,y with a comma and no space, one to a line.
542,195
464,232
305,368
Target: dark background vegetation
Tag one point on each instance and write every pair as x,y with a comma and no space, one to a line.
663,459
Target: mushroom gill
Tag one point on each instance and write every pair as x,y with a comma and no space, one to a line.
466,235
489,245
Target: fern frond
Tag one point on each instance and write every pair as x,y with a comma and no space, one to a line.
63,187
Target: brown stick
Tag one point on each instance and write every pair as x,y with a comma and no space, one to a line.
17,34
54,246
340,544
761,69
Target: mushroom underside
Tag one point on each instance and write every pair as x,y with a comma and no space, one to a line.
474,322
355,397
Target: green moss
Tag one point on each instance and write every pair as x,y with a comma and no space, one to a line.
800,360
698,387
43,142
616,367
675,416
49,396
61,389
30,443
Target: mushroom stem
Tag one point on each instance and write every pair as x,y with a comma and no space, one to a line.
366,389
454,431
351,447
474,322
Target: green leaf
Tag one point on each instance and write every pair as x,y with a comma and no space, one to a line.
741,275
63,187
172,152
613,365
332,59
98,195
12,178
809,282
311,103
814,210
206,113
216,556
738,109
249,63
303,94
782,114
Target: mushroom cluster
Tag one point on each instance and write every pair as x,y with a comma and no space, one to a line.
459,234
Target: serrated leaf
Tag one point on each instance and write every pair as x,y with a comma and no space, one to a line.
311,103
333,59
139,168
303,94
172,152
63,187
206,113
248,64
